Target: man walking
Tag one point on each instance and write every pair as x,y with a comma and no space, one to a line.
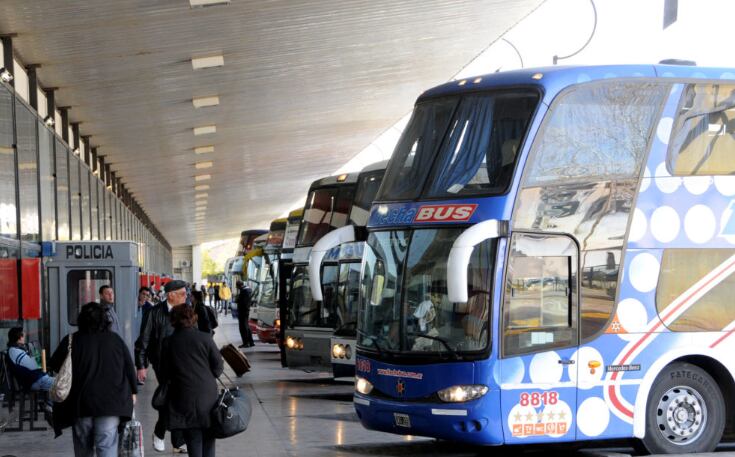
156,327
243,314
107,300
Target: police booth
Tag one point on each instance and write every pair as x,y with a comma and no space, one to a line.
76,271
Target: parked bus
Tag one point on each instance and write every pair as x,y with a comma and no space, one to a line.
310,325
337,284
247,238
285,270
267,306
550,258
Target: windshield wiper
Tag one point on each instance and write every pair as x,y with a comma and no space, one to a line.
346,324
439,339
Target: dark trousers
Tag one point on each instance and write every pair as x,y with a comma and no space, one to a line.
243,317
199,442
177,438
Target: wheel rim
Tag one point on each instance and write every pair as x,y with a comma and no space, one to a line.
681,415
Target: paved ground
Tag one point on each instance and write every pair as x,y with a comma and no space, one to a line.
295,414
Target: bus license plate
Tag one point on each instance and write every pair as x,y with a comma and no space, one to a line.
402,420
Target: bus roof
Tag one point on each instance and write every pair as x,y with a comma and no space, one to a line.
345,178
382,165
278,224
298,213
253,232
554,79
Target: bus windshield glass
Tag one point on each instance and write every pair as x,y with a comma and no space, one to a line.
326,209
471,143
347,296
405,308
269,295
367,188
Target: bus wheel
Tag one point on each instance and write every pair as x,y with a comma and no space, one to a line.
686,411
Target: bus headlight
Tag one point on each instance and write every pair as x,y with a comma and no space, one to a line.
338,351
290,342
363,386
459,394
348,352
277,323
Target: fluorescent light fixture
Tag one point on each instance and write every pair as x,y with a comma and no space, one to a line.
201,3
205,130
202,177
202,187
203,165
203,195
203,149
201,102
198,63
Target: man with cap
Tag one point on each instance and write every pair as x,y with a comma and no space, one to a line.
155,328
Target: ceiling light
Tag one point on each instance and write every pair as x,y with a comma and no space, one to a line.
202,187
205,130
201,102
201,3
202,165
207,62
5,75
203,149
202,177
202,195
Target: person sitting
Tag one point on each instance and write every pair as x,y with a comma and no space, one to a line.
24,367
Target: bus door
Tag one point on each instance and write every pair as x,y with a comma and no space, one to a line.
539,339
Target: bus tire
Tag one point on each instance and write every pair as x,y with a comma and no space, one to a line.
685,411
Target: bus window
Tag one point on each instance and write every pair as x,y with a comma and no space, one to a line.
596,131
540,310
680,270
317,215
702,140
82,287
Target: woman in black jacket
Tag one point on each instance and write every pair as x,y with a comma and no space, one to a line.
103,384
191,363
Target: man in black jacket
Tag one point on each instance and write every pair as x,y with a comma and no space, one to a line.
243,314
156,327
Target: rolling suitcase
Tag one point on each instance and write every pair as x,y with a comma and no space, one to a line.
235,359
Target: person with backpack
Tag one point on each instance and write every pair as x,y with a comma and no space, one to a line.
206,316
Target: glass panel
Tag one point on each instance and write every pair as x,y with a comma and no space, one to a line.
305,310
46,167
108,215
8,215
25,123
342,206
367,188
540,309
75,208
414,152
93,203
8,277
596,131
330,277
404,302
317,215
703,138
347,298
479,153
86,225
82,287
62,191
685,269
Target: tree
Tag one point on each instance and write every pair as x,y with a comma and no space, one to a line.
209,266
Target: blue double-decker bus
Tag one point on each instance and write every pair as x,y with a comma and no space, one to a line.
550,258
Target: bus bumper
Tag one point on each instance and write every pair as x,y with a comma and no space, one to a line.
311,351
474,422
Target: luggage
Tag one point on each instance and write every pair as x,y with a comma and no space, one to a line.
235,359
231,414
130,443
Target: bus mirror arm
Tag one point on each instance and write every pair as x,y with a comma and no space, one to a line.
334,238
459,255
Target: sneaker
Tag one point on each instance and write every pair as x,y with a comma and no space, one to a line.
158,444
180,450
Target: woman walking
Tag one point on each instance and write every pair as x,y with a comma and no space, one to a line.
103,384
191,364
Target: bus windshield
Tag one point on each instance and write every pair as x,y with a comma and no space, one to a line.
470,142
326,209
269,295
367,187
347,295
404,306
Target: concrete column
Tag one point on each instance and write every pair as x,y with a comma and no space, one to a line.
196,263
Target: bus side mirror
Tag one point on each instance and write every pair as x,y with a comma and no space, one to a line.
459,255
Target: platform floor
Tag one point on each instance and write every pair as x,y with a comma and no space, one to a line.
295,414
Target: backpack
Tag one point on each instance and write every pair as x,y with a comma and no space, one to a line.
212,316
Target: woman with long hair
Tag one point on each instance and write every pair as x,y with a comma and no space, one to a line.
191,364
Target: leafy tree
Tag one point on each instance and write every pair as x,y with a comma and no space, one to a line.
209,266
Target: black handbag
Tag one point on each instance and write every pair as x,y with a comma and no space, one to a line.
160,397
231,414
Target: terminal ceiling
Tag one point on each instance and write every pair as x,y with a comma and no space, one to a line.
305,86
